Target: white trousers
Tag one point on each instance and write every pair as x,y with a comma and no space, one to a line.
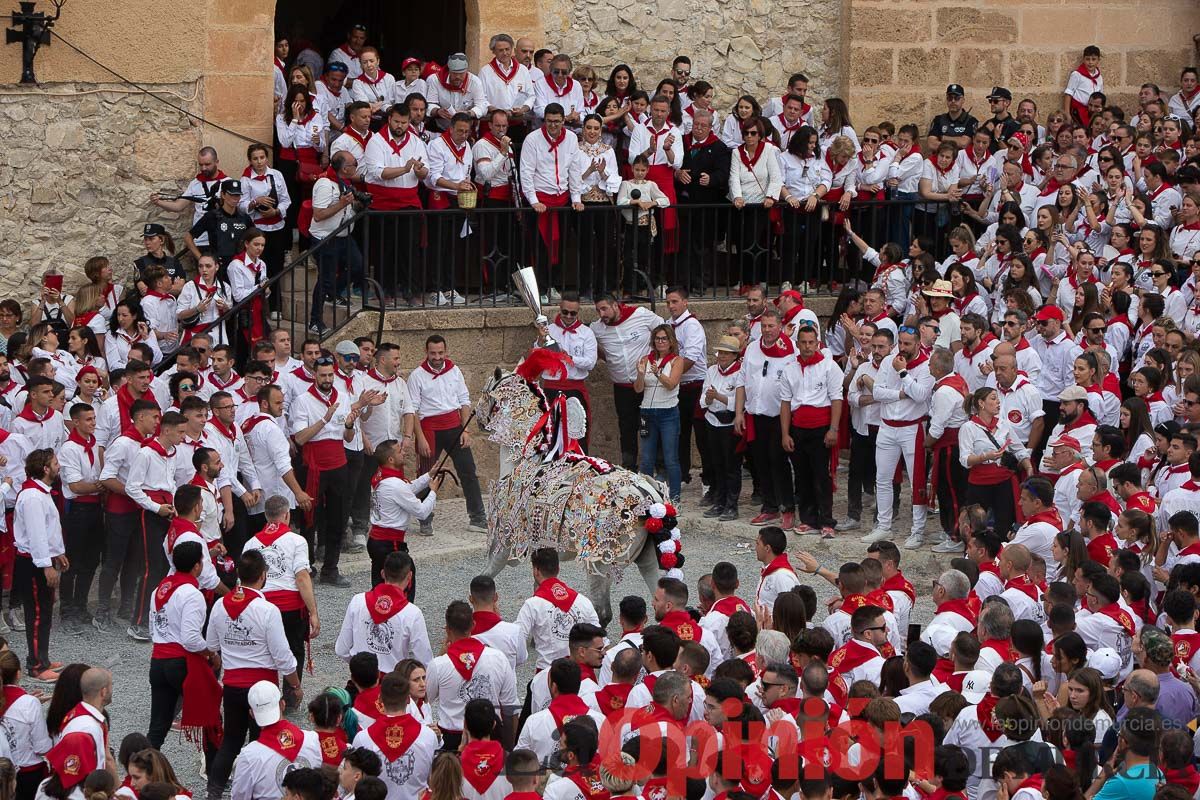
891,445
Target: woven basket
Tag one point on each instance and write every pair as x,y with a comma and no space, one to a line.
467,198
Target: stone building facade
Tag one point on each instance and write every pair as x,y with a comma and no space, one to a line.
85,151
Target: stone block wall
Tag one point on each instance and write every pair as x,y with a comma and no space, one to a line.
902,55
740,46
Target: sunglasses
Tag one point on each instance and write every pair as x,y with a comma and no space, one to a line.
751,132
324,361
568,313
560,72
870,140
1158,274
187,387
907,329
351,356
1096,330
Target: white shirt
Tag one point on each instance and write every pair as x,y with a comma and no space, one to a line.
149,471
545,168
235,458
325,194
37,529
469,98
814,386
548,627
580,344
254,640
646,137
945,411
692,346
540,733
761,180
445,164
762,377
92,723
492,679
379,156
438,394
24,731
307,410
46,433
625,343
773,585
506,637
208,576
493,169
77,467
299,132
394,502
268,448
345,55
1058,360
385,421
181,620
255,186
917,697
585,157
286,558
258,770
407,775
380,90
402,635
515,91
569,96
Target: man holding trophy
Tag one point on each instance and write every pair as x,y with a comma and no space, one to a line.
579,342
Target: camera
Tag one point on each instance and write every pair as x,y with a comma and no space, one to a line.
363,198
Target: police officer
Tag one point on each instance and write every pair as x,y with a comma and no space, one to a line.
956,125
154,237
225,224
1002,124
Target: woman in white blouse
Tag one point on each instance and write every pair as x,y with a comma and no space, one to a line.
246,273
806,179
302,133
982,442
745,109
938,183
755,180
205,297
129,326
835,122
1185,238
594,178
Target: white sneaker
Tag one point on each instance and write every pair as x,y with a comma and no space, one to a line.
435,299
848,524
914,541
949,546
877,535
455,298
938,538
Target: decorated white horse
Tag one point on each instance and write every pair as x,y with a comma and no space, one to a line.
551,495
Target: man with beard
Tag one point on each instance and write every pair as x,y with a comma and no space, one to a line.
1074,420
978,345
756,301
200,191
1057,351
622,337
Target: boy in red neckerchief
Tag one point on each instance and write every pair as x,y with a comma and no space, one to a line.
522,771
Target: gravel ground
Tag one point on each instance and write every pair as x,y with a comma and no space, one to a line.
445,564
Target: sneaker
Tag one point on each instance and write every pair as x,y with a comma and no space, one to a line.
803,529
787,520
707,498
730,514
456,299
317,329
478,526
948,546
714,512
435,299
335,579
877,535
553,295
828,532
46,676
765,518
940,537
848,524
426,531
102,621
14,620
914,541
138,633
4,629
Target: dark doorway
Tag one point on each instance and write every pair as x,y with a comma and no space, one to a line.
428,31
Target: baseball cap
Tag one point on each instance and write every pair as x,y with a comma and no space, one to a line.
791,294
231,186
1070,442
1075,393
1105,661
152,229
408,62
346,348
955,89
1049,312
263,699
975,685
1188,173
999,92
457,62
728,344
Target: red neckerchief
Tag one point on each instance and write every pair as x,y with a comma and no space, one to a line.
223,385
271,533
1022,584
833,168
394,735
1162,187
955,382
1187,777
689,141
301,373
125,400
557,593
566,90
333,744
1083,419
1119,615
572,328
961,303
1033,782
392,143
990,427
961,606
366,702
238,600
612,698
1050,515
507,78
177,528
253,422
485,621
624,312
373,373
464,656
781,348
681,622
978,162
458,152
730,605
899,583
589,783
383,473
384,602
205,180
156,446
786,127
878,597
446,367
346,379
746,159
363,77
984,341
231,432
853,602
482,762
985,714
87,444
733,367
356,136
652,358
566,707
333,395
933,159
168,586
444,79
816,358
80,710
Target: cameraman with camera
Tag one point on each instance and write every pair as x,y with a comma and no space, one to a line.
334,201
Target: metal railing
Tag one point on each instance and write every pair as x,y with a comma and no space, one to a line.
463,258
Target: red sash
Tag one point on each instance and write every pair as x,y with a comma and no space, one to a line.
549,225
664,176
1119,615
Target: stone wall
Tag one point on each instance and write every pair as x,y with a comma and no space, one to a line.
76,174
740,46
902,54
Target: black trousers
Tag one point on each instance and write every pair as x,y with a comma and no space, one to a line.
464,466
238,722
295,630
166,687
1051,411
122,558
775,471
38,600
378,550
331,510
860,478
689,399
83,536
354,467
813,486
279,244
629,420
597,249
360,508
243,528
997,498
951,486
28,782
154,530
726,464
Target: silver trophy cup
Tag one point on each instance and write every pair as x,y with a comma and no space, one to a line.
526,282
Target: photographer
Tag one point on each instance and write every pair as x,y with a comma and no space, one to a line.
334,201
225,224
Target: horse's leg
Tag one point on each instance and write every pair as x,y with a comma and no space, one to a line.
647,563
599,592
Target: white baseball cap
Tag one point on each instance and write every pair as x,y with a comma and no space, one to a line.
264,698
975,685
1106,661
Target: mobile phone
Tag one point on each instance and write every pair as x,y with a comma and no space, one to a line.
54,282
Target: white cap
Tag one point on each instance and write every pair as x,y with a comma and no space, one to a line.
975,685
1106,661
264,698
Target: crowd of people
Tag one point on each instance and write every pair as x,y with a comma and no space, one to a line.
1028,367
